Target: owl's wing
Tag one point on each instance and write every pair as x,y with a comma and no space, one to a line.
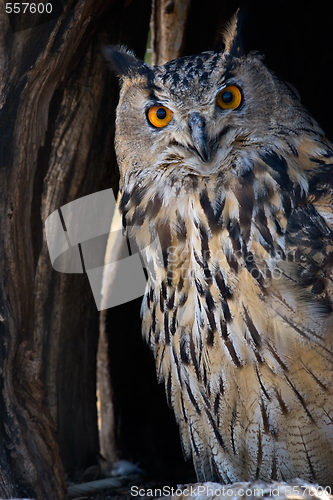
309,233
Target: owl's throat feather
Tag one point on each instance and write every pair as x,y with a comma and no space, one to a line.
224,222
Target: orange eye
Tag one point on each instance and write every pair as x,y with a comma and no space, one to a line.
159,116
229,98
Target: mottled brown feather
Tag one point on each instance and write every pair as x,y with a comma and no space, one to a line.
239,251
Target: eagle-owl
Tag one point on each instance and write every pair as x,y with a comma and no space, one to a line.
222,165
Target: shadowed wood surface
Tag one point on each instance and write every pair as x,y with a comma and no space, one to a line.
56,116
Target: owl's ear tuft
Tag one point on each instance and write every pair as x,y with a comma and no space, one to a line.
123,62
232,35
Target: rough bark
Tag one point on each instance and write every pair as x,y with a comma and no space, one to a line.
168,23
108,447
57,106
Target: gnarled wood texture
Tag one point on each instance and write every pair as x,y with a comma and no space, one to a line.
57,104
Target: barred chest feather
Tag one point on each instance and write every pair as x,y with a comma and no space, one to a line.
238,320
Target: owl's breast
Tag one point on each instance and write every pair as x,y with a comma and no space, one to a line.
234,249
244,348
235,338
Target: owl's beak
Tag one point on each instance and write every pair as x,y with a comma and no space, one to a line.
197,126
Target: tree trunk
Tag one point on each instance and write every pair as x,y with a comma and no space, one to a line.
56,124
168,22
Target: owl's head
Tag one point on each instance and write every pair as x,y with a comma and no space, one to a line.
199,112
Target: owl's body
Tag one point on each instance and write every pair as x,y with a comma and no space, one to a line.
232,210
